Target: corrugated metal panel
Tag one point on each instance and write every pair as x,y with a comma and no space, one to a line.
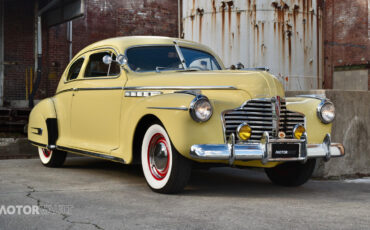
282,35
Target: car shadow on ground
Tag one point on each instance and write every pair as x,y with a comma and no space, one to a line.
219,181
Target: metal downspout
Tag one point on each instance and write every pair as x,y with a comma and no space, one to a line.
69,38
38,63
179,17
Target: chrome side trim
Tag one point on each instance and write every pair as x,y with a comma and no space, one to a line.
92,154
314,96
99,88
64,91
153,88
37,144
88,89
180,87
170,108
37,131
142,93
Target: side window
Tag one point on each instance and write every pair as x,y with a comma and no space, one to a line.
97,68
75,69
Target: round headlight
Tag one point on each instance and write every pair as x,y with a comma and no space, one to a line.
200,109
326,112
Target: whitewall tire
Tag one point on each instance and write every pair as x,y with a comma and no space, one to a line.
51,158
165,170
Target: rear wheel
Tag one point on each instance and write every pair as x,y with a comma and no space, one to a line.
52,158
291,173
165,170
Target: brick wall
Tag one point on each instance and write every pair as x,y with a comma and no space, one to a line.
346,35
18,46
105,19
102,19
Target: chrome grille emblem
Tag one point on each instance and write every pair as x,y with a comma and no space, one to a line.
276,104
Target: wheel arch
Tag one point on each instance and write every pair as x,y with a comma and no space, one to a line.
144,123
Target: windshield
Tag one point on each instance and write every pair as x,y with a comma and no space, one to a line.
196,59
161,58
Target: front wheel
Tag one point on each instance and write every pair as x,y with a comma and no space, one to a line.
52,158
291,173
165,170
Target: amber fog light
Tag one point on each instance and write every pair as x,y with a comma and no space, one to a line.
244,131
298,131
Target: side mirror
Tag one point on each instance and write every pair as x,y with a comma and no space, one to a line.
107,59
121,59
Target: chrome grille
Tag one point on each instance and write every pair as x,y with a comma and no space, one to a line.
261,116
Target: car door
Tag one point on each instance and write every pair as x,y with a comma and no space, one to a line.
63,99
96,105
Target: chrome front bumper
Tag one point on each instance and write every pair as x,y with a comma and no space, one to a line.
263,150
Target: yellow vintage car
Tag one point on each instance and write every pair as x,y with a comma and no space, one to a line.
169,104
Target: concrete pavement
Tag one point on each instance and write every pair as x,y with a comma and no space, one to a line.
95,194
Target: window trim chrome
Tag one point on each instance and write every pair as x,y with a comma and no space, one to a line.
169,44
65,81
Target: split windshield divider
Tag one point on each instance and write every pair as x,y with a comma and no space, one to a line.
179,53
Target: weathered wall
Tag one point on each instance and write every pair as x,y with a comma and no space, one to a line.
285,36
352,128
346,36
102,19
351,79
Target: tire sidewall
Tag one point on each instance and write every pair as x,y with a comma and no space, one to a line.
153,182
44,159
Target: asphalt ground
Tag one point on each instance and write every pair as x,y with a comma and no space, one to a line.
96,194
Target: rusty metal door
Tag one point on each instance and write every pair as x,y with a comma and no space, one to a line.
284,35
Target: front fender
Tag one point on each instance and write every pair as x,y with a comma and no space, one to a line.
316,130
42,127
181,128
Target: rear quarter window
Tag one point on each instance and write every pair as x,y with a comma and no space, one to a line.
75,69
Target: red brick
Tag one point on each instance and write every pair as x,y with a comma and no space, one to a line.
102,19
346,35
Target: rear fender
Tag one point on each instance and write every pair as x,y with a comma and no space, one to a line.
42,124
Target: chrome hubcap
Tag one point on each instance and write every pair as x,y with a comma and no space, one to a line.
158,156
46,152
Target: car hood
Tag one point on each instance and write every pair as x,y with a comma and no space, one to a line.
257,84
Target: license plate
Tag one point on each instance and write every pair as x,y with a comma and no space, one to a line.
285,150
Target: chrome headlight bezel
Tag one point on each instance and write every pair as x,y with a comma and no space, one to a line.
193,108
321,108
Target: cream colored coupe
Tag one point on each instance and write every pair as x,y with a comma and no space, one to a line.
168,104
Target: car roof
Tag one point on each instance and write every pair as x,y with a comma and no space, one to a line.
122,43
